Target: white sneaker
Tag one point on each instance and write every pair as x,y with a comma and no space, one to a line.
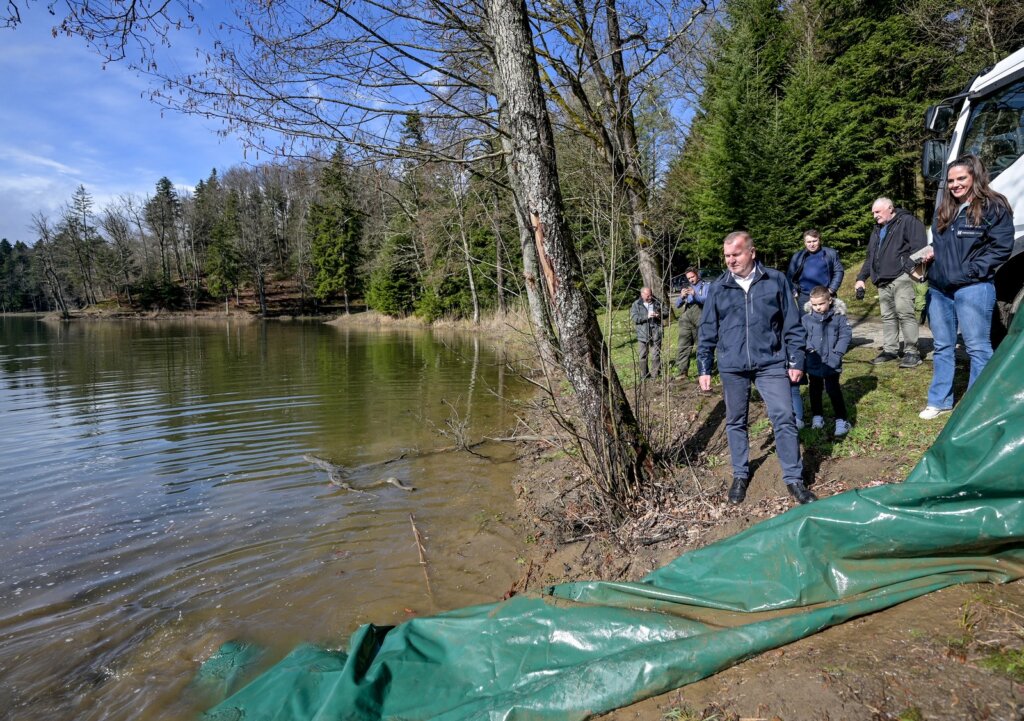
842,428
799,424
931,413
817,422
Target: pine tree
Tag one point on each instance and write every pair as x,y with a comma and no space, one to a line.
223,267
161,214
335,228
391,284
730,154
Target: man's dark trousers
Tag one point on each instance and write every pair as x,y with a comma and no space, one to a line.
689,322
774,387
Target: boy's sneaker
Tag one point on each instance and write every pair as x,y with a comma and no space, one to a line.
842,427
910,360
817,422
884,357
799,424
931,413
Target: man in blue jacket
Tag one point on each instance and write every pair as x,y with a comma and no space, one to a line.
750,317
812,266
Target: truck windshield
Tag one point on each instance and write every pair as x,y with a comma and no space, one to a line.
995,129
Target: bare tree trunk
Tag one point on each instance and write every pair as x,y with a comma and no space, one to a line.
620,454
467,257
44,251
540,316
634,183
469,274
259,281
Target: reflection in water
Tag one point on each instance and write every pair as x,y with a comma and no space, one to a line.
155,501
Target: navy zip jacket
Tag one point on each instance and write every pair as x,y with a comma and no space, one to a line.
966,253
835,268
828,338
751,331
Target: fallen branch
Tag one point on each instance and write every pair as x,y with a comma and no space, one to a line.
423,556
523,439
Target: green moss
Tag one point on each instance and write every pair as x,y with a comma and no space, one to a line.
1007,662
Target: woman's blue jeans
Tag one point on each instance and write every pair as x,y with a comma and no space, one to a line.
971,308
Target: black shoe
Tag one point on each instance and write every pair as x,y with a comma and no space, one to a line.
910,360
884,357
739,490
800,493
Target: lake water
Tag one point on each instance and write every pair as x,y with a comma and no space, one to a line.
157,498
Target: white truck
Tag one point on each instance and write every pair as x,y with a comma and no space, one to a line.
989,123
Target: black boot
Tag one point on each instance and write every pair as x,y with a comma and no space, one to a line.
738,491
800,493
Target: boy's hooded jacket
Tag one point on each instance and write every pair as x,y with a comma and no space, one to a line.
828,338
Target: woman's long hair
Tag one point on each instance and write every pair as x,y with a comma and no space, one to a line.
981,194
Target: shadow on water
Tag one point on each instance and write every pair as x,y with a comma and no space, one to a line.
159,501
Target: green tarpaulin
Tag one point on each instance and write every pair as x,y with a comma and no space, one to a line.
586,648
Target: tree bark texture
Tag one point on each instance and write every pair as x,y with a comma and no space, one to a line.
540,317
621,453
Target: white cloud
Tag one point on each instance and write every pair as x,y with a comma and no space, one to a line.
66,121
19,157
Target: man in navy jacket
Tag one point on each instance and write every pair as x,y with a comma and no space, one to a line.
812,266
750,317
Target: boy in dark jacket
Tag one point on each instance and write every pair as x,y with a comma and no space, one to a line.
828,338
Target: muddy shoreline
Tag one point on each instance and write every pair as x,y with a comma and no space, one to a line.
924,659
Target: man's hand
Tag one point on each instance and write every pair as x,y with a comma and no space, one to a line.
705,382
859,290
795,374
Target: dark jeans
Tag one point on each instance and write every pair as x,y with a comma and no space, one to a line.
830,384
774,387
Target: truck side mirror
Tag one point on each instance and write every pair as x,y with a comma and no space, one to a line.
933,160
937,117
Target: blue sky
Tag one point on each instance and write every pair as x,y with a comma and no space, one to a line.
66,121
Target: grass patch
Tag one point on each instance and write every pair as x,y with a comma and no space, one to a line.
1007,662
685,713
882,401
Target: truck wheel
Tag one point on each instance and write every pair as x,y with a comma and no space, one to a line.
1002,319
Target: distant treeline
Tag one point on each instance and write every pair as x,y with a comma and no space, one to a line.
778,117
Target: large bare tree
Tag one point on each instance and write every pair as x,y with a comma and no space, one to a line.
613,432
600,60
296,76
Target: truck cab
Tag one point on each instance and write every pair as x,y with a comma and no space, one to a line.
987,120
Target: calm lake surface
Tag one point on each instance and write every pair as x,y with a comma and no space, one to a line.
157,498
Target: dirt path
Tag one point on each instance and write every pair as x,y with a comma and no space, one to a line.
923,659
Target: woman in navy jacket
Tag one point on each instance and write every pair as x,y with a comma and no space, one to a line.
972,235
